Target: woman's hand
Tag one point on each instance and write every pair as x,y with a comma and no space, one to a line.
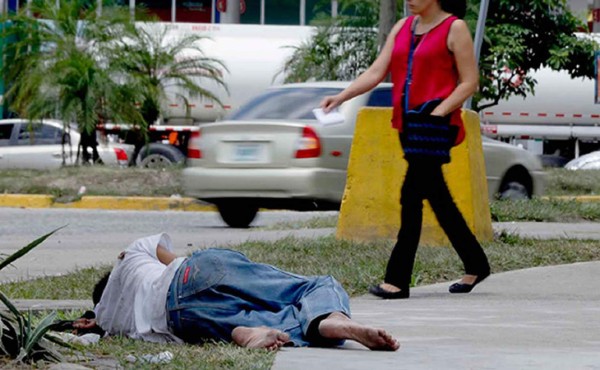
331,102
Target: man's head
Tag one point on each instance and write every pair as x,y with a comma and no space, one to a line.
99,288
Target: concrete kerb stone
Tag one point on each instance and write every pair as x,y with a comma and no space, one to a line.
135,203
107,202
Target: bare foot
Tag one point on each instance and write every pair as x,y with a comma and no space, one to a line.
340,326
260,337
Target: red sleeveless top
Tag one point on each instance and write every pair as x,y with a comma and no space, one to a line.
434,71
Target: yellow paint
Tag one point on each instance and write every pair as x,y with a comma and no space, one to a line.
109,203
25,200
371,204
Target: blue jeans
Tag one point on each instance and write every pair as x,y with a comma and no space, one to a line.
216,290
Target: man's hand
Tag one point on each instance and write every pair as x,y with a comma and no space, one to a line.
83,323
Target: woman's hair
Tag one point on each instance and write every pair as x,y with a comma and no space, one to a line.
99,288
455,7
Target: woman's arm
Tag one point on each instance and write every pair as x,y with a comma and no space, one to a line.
369,78
461,45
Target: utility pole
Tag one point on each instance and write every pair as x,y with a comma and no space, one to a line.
596,16
3,10
483,10
232,12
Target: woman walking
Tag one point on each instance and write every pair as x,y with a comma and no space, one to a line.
431,60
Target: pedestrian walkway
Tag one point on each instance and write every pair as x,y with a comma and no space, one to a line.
538,318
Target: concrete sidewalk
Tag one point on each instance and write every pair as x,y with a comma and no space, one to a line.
539,318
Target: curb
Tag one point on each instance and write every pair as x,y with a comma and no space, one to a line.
578,198
107,203
156,203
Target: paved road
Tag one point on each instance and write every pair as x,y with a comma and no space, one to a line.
95,237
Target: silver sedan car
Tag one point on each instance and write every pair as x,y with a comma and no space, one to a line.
44,145
272,153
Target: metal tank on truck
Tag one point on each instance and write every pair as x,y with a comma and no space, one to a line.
560,122
254,56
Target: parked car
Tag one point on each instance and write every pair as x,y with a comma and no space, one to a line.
590,161
39,145
272,153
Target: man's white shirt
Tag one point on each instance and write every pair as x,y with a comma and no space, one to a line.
134,300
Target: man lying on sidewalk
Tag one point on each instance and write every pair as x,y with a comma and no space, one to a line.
218,294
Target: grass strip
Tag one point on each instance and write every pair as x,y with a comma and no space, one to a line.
356,265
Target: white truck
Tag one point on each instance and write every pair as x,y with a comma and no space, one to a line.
560,122
254,56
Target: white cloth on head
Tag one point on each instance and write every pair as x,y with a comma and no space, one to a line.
134,300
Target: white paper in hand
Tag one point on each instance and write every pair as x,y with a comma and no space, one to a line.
332,118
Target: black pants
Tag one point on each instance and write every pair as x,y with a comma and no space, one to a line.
426,181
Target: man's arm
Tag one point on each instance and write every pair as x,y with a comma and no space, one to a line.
164,255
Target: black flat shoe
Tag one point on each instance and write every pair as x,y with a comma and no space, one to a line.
466,288
378,291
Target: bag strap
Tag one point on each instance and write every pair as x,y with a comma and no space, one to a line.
411,53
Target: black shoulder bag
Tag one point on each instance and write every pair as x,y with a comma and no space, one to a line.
424,137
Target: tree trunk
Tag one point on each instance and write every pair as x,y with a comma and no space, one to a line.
387,19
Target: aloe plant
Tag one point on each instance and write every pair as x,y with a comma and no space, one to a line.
20,338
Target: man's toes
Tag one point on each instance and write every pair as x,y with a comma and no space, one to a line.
283,337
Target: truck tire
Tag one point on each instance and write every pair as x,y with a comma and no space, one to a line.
160,155
237,215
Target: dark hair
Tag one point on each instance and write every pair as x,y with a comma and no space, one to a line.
99,288
455,7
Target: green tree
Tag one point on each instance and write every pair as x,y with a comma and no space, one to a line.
60,65
341,48
520,37
162,68
159,67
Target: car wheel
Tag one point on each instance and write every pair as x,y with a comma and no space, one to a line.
516,184
513,190
160,156
238,215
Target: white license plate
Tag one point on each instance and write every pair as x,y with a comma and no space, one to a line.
248,152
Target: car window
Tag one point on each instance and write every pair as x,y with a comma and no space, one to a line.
288,103
380,98
5,131
39,134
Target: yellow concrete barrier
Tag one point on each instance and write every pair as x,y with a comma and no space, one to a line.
376,169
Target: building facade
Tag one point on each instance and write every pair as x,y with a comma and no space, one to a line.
275,12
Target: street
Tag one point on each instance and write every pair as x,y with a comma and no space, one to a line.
93,237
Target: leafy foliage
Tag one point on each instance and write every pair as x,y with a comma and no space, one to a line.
520,37
77,64
158,66
20,339
341,48
59,65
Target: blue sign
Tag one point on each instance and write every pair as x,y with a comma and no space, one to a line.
13,6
